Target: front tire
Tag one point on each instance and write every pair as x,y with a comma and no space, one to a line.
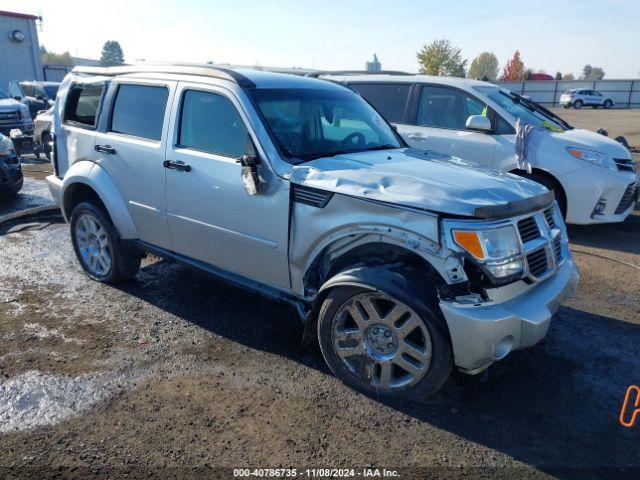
578,104
98,246
380,345
607,104
554,186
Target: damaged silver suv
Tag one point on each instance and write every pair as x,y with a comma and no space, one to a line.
402,263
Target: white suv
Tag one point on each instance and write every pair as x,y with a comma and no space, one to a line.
593,177
401,263
580,97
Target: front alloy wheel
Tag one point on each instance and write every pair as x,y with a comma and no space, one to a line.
381,341
386,341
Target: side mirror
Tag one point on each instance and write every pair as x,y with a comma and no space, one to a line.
39,97
479,123
249,162
17,97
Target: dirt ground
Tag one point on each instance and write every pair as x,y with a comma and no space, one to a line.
176,374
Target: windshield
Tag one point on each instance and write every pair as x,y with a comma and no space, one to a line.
526,111
315,123
3,94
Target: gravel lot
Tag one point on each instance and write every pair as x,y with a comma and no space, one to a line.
179,373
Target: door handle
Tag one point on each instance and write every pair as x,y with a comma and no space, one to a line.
108,149
183,167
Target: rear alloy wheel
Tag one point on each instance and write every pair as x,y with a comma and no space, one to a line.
380,345
98,246
577,104
607,104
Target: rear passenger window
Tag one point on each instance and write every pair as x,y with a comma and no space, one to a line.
389,99
444,107
209,122
82,104
139,111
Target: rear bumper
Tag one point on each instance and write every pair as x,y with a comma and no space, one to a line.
55,187
482,334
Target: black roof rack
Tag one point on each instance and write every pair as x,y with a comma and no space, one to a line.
356,72
203,70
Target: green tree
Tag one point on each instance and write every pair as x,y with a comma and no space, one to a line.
484,67
568,76
514,69
441,58
112,54
592,73
558,76
527,74
50,58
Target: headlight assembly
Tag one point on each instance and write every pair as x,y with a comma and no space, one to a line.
591,156
6,146
497,250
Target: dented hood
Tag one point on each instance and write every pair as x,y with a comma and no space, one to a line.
425,180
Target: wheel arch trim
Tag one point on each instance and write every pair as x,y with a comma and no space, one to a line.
97,179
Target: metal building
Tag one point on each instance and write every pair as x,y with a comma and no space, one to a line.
19,48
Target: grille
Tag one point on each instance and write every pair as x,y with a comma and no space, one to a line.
548,215
628,198
311,196
528,229
537,261
557,248
625,164
9,117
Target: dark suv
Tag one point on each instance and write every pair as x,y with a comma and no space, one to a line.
36,95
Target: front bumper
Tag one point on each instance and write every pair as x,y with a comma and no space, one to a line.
10,174
26,128
589,186
486,332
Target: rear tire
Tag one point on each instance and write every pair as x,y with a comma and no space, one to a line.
578,104
99,249
14,191
409,357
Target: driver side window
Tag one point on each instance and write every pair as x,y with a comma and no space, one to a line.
444,107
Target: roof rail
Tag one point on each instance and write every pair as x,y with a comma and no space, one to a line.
204,70
356,72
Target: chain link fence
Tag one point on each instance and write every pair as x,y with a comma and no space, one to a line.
624,93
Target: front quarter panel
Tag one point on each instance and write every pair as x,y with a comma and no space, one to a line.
95,177
346,223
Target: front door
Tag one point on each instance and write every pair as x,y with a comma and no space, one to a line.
440,125
211,217
132,148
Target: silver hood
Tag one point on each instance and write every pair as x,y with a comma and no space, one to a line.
424,180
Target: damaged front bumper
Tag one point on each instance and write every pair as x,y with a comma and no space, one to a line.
482,333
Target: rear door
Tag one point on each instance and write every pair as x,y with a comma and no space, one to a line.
211,216
131,148
438,122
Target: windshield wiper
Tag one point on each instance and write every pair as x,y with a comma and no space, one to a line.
534,106
386,146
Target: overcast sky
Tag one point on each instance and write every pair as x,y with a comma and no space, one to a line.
554,35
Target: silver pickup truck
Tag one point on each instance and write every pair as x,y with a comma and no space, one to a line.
403,263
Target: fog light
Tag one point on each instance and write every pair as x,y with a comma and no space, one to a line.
599,208
505,268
